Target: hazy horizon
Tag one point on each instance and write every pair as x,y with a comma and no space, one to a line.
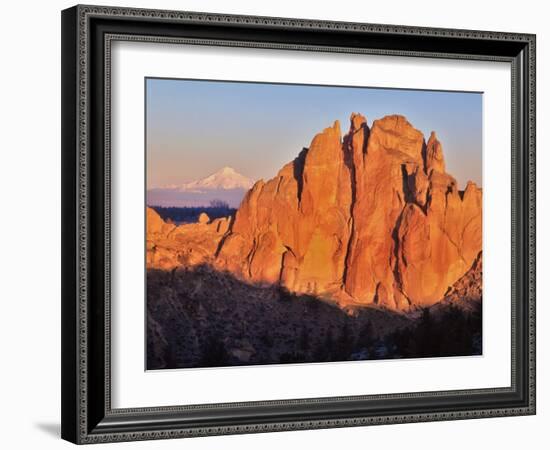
194,127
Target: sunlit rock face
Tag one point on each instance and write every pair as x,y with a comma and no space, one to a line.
368,218
170,246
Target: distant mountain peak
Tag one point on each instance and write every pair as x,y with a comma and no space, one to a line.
225,178
227,171
226,184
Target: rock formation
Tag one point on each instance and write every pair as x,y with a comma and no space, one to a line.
170,246
370,218
466,293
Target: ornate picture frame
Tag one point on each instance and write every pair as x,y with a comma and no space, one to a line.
88,33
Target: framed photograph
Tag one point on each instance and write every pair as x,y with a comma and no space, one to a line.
280,224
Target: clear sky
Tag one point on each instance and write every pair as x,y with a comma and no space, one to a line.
196,127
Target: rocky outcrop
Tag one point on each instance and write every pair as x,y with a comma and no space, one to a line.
170,246
466,294
370,218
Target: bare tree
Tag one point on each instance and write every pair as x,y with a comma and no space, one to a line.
217,203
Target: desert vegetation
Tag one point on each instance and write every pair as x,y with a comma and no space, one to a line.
205,318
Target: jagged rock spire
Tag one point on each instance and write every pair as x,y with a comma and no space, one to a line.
370,218
434,155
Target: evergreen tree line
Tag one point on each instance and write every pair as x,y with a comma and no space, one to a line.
452,333
190,214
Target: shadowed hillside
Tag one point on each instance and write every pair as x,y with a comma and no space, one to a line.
205,318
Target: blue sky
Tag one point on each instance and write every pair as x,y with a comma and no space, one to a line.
196,127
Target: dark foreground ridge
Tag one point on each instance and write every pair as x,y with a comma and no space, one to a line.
202,317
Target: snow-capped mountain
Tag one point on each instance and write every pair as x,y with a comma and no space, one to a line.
225,178
226,185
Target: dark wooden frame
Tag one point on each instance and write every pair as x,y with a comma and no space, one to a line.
87,32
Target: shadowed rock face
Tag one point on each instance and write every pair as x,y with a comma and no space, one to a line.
368,218
467,292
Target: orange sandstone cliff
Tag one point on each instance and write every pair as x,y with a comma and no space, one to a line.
370,218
